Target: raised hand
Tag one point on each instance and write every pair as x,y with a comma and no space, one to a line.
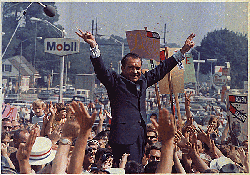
154,122
167,126
88,38
187,98
101,115
107,114
203,137
4,150
82,116
188,44
70,129
24,150
180,140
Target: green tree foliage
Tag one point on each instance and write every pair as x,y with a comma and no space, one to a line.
12,11
226,46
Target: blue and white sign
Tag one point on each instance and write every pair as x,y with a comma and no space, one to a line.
61,46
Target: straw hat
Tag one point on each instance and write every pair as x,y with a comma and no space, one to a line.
42,152
220,162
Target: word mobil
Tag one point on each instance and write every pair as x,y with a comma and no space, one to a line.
71,46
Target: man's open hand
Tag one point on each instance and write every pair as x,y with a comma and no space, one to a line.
82,116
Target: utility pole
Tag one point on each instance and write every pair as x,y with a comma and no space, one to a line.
92,26
96,27
165,28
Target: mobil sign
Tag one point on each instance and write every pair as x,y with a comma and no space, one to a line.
61,46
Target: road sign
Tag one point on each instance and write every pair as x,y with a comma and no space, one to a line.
61,46
219,80
238,118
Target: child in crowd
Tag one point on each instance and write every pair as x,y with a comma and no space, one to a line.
38,108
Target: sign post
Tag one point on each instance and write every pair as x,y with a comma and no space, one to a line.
61,46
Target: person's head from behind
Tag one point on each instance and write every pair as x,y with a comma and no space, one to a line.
6,125
151,167
20,136
131,66
38,107
133,167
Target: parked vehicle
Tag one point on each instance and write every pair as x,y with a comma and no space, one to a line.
45,94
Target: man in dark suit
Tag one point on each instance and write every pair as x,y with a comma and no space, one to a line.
127,94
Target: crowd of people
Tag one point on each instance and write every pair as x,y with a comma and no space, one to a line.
64,139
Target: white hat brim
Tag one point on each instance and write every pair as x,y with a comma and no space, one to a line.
45,160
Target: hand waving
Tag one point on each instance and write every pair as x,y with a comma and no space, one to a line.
88,38
188,44
82,116
167,126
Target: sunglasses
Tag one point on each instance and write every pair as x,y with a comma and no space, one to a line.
151,137
5,127
155,158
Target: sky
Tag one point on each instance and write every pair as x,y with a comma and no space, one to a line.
181,18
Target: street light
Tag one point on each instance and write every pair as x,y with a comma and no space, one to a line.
62,57
19,75
48,10
211,78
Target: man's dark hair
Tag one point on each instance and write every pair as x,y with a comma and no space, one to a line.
100,152
133,167
6,119
156,146
102,135
153,114
60,106
129,55
151,167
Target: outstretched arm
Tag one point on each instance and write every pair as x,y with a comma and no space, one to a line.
155,75
86,122
166,131
23,152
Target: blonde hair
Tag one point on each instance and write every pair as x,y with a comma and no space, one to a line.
38,102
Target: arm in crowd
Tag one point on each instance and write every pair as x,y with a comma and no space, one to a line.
4,154
244,159
156,74
124,160
23,152
200,165
166,131
102,117
70,131
205,138
178,166
48,120
85,121
225,132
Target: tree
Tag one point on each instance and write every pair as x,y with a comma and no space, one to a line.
12,11
226,46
